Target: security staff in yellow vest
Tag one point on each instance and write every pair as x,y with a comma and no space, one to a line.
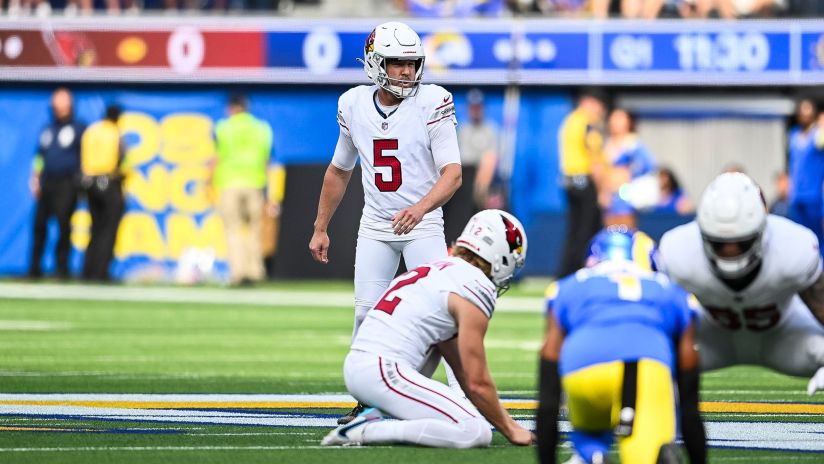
244,148
582,164
101,154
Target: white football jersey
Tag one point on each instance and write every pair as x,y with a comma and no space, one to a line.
790,263
401,153
412,316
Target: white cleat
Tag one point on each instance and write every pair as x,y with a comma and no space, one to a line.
351,434
575,459
816,382
597,458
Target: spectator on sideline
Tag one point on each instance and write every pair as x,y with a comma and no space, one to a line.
564,8
807,177
582,167
805,112
275,190
53,182
452,8
730,9
672,198
101,154
630,9
631,184
478,142
244,148
780,206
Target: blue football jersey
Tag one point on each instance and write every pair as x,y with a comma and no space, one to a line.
616,311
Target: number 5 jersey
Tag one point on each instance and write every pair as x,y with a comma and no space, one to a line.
401,152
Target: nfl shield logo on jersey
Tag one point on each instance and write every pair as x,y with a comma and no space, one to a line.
385,125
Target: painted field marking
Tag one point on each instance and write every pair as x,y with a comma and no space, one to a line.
331,401
191,409
34,326
789,436
257,297
171,448
761,408
4,428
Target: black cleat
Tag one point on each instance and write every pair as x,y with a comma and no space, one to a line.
670,453
352,414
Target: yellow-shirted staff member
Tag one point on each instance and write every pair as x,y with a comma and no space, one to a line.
275,189
244,149
582,163
617,334
101,154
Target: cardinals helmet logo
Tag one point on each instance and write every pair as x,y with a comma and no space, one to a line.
513,236
369,47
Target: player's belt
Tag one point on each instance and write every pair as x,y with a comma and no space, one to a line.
629,394
577,182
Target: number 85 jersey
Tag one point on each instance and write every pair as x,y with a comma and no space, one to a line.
790,263
401,152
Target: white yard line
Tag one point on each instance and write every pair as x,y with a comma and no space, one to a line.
36,326
169,448
241,297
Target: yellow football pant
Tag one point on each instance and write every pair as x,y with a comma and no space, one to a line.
594,402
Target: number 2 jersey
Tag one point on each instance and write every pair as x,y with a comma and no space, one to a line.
412,316
401,153
616,311
790,263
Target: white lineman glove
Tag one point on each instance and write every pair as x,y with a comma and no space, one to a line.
816,382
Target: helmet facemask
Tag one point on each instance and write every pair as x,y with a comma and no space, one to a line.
398,87
738,265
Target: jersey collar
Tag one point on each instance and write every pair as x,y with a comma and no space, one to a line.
378,107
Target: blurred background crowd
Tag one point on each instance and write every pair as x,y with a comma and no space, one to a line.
184,150
632,9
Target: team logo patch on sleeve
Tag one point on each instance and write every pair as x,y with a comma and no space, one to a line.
442,112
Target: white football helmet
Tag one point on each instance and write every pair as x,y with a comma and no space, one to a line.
732,210
393,40
499,238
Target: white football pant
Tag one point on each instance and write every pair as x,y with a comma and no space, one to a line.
429,413
795,347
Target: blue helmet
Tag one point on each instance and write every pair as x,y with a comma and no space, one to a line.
621,243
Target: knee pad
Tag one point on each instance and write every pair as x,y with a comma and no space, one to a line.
669,453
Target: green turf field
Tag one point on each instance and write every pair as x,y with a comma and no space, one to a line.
284,339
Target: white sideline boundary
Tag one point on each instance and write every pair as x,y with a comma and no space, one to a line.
225,296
